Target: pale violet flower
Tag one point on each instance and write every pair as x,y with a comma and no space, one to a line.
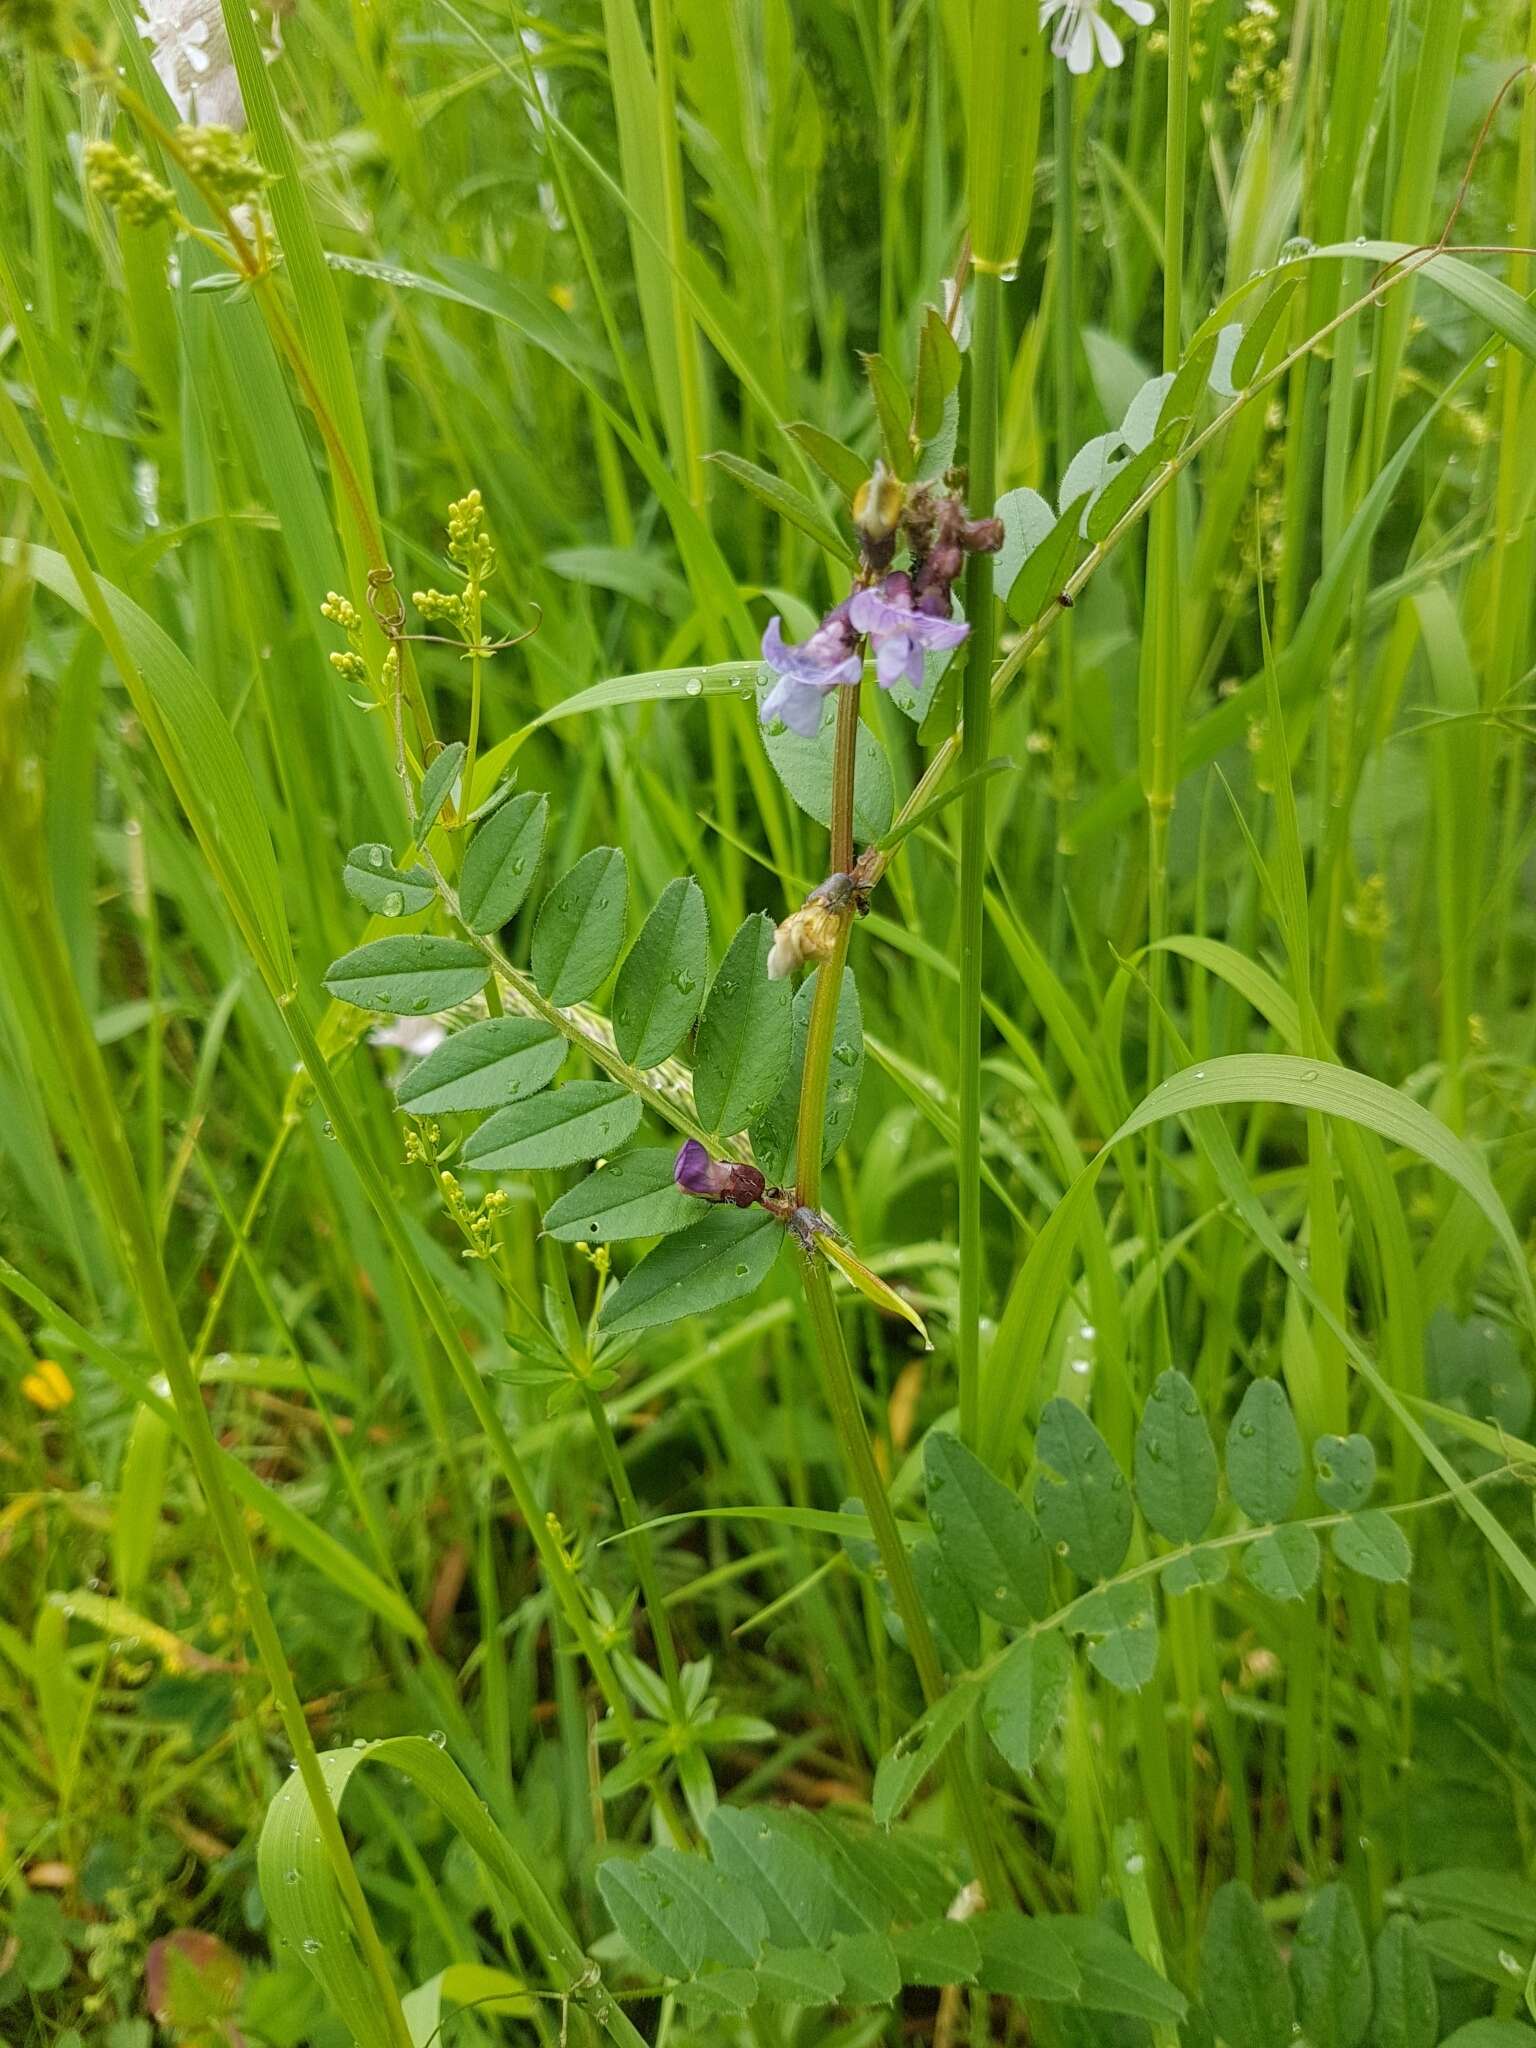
899,632
806,673
1081,29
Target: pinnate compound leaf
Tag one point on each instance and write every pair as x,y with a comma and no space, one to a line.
1406,2011
937,1952
1264,1454
1081,1498
1175,1472
486,1066
581,927
743,1041
1122,1620
725,1255
410,974
1345,1471
778,1866
903,1768
631,1196
989,1539
577,1122
1114,1976
502,860
372,879
661,983
1282,1563
439,777
1243,1980
1023,1958
1372,1544
1025,1698
1332,1971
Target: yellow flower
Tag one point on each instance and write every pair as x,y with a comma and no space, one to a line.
48,1386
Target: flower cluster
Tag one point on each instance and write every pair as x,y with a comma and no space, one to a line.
903,615
342,612
470,547
222,164
1081,30
125,182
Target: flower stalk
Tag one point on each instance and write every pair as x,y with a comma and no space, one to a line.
839,1384
976,702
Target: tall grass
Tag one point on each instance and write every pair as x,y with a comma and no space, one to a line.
1191,1026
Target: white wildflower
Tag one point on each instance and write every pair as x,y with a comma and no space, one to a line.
191,55
1081,27
415,1035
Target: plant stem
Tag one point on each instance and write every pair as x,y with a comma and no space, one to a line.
651,1594
976,703
839,1384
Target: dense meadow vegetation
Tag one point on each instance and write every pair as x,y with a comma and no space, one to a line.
767,1023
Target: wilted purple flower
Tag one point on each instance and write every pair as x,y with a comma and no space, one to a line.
831,656
716,1180
899,633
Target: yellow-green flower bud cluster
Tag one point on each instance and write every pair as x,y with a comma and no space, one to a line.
127,183
221,162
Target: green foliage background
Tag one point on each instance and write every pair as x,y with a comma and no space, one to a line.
1251,867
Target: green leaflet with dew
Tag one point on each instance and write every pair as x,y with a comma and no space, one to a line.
661,983
742,1048
580,927
413,974
578,1121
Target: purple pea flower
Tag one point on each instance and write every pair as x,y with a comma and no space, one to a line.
805,673
900,633
716,1180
